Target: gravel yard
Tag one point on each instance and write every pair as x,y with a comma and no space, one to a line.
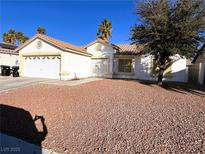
116,116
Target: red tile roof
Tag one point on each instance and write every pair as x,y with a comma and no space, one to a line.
58,43
98,40
61,43
121,48
128,49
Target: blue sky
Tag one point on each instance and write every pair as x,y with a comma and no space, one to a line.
71,21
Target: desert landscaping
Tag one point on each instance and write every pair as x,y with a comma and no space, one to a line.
115,116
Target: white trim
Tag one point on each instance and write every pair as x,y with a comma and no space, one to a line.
201,73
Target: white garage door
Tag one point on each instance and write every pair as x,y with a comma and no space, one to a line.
42,67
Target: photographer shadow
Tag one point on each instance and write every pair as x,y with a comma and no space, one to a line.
18,123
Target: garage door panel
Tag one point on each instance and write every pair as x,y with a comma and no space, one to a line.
43,67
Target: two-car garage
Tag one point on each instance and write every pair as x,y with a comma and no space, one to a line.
42,66
45,57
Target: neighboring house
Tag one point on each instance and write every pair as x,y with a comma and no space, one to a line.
196,72
8,55
43,56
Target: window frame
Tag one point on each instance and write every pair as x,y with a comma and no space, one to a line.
131,69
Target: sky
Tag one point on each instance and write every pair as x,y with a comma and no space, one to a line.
75,22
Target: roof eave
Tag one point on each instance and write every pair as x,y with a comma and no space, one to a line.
26,43
64,49
77,52
127,53
9,52
98,41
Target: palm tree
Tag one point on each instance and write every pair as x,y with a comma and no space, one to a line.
41,30
25,38
105,30
10,37
21,38
6,38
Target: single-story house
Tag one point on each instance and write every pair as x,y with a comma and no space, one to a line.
46,57
8,55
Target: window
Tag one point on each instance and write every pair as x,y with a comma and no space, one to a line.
39,44
125,65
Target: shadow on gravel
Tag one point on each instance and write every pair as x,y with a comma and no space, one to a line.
193,89
179,87
19,123
183,88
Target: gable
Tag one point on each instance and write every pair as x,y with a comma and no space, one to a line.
38,46
100,50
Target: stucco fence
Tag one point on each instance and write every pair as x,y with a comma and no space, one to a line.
196,73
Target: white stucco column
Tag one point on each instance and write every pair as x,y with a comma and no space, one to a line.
111,61
201,73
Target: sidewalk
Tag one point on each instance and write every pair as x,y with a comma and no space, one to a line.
10,144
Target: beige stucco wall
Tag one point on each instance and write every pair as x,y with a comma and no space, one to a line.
143,69
72,65
9,59
32,49
102,59
75,65
179,71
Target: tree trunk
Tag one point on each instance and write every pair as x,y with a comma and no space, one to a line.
160,76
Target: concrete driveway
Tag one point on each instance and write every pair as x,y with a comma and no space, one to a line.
11,144
9,83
